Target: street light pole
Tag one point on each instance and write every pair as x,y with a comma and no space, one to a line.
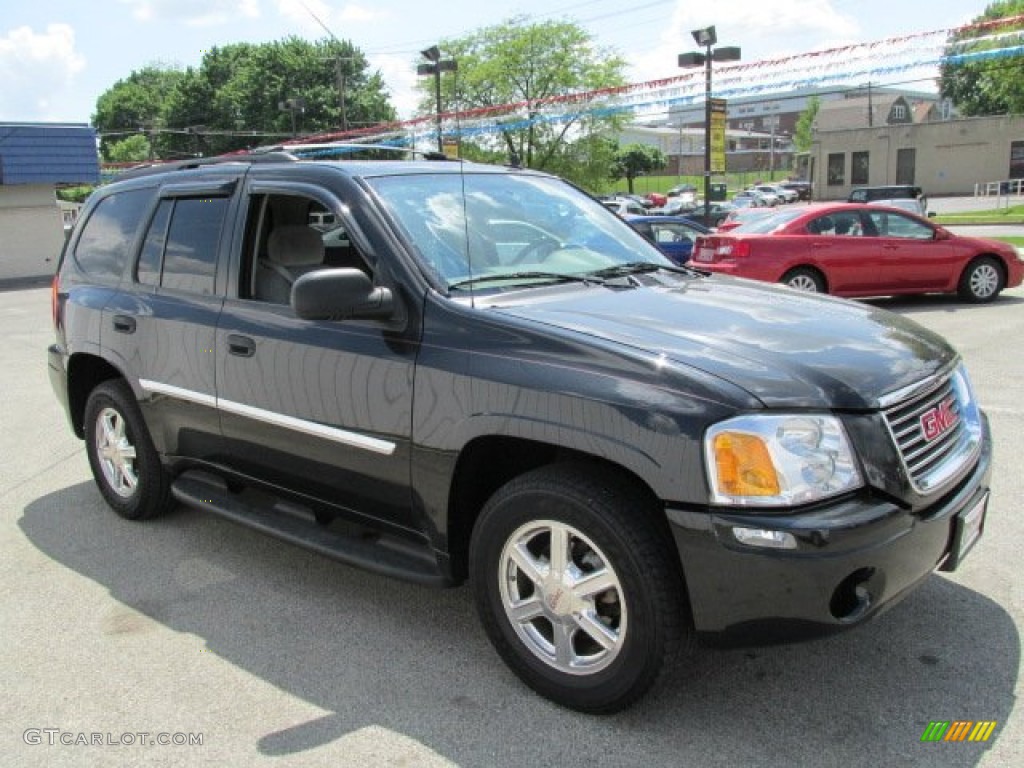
707,38
435,68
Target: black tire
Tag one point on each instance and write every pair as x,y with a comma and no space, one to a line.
124,462
609,539
805,279
981,281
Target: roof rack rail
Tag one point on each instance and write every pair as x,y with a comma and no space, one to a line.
199,162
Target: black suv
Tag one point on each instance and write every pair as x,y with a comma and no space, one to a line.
448,372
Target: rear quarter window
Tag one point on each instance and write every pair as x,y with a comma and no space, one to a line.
104,245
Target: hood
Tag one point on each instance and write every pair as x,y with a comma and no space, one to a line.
786,348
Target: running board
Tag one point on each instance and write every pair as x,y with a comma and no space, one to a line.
384,555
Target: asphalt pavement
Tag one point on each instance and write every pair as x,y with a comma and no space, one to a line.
117,635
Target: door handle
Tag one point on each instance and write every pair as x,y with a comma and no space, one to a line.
124,323
242,346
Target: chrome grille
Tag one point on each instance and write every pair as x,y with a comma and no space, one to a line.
930,430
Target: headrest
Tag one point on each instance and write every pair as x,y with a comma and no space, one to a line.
295,246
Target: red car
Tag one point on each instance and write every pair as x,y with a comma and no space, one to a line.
848,249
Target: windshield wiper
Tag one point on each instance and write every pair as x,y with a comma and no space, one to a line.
638,267
531,275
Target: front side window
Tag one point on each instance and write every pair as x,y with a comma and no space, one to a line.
107,236
897,225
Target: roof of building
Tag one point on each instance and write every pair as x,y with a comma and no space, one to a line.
48,153
853,112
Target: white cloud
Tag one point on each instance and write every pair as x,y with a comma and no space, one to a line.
401,81
762,29
36,70
194,13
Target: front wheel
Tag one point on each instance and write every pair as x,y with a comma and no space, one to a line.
981,281
124,462
576,587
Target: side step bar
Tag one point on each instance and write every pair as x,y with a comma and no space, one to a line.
388,557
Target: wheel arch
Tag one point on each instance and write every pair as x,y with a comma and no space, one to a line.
807,267
487,463
85,373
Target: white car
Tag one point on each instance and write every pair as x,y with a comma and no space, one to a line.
625,205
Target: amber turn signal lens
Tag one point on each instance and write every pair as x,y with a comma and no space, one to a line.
744,465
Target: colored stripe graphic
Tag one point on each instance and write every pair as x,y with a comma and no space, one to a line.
959,730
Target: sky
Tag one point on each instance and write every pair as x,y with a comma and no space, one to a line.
58,56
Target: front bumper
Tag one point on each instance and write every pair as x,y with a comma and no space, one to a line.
852,559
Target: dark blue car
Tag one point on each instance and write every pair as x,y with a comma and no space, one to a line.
674,235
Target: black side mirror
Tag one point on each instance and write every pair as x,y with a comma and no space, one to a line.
340,294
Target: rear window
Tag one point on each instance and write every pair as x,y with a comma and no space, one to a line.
767,224
107,236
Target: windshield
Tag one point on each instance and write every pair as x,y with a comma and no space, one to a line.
513,228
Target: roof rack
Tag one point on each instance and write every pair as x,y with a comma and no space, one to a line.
277,153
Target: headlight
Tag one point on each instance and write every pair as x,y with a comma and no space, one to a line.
777,459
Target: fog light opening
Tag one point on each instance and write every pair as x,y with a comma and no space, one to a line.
854,596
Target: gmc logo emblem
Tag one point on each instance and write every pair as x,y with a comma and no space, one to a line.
938,420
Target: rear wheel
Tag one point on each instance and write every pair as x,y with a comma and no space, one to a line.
981,281
124,462
577,590
804,279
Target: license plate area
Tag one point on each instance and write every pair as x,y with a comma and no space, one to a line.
968,527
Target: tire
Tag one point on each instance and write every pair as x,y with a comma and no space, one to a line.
805,279
124,462
981,281
595,647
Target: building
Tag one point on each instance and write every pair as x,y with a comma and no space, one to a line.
683,148
946,157
34,159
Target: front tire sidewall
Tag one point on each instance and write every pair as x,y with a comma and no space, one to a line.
640,657
968,288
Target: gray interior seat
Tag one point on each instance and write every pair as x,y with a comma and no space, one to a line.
292,251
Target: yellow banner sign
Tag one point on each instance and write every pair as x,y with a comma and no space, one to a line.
718,123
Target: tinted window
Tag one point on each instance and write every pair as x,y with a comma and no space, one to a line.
190,256
108,234
152,253
895,225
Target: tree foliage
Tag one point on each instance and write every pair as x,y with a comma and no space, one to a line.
528,64
635,160
243,95
803,131
989,86
133,149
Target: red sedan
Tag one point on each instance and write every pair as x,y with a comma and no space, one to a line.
861,250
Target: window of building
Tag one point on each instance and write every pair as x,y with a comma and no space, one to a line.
837,169
899,112
906,159
1017,159
859,168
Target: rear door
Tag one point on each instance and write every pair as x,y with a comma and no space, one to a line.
841,248
160,326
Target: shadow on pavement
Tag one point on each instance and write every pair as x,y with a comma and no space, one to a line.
381,654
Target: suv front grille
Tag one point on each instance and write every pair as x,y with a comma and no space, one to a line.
936,432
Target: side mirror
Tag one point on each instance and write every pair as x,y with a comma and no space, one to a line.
340,294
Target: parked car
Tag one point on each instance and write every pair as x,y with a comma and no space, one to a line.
862,250
891,192
785,194
774,195
676,206
656,200
747,199
907,204
742,215
717,212
624,205
491,378
802,188
673,235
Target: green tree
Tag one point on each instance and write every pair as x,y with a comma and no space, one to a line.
133,149
134,104
516,62
635,160
989,86
803,132
243,95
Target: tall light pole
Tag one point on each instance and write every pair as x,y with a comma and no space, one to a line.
707,38
435,68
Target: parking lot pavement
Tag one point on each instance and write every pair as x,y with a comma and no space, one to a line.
195,629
